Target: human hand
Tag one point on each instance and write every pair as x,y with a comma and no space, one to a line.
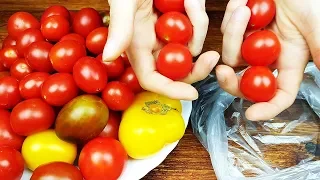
132,29
297,26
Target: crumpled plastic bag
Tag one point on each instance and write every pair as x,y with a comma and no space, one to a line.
243,150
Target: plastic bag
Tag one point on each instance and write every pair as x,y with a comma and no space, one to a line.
241,149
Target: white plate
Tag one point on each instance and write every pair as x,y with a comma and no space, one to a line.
137,169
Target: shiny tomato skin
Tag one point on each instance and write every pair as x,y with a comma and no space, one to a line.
37,56
26,38
20,68
258,84
65,54
20,21
174,61
85,21
125,59
9,92
30,85
114,68
55,10
55,27
31,116
174,27
261,48
59,89
262,13
130,78
8,41
57,170
75,37
96,40
7,136
95,167
165,6
117,95
8,56
90,75
12,165
112,127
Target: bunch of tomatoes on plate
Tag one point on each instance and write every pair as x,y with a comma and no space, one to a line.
260,49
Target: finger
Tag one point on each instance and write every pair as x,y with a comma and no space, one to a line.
200,21
231,7
233,36
313,40
120,28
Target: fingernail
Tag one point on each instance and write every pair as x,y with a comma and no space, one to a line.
108,51
220,76
238,13
212,61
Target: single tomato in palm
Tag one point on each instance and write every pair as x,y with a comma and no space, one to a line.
8,56
93,164
20,21
174,61
114,68
30,85
258,84
75,37
26,38
96,40
130,78
59,89
174,27
85,21
165,6
55,10
57,170
12,164
37,56
55,27
8,41
262,13
9,92
20,68
112,127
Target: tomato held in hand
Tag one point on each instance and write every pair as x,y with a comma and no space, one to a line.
57,170
174,27
90,75
59,89
85,21
130,78
174,61
96,40
93,162
30,85
75,37
165,6
9,92
37,56
258,84
20,21
8,41
112,127
262,13
118,96
114,68
26,38
55,27
55,10
7,136
12,164
261,48
8,56
65,54
20,69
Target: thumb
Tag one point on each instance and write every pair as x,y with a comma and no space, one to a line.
122,13
312,36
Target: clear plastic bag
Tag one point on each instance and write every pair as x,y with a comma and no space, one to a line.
242,150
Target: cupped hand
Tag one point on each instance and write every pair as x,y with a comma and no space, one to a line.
297,25
132,29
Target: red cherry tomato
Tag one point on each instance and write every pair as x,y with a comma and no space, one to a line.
7,136
75,37
165,6
59,89
118,96
4,74
31,116
20,69
174,27
261,48
55,10
90,75
258,84
20,21
93,162
2,68
125,60
72,15
8,41
130,78
26,38
96,40
9,92
30,85
8,56
12,164
112,127
262,13
174,61
55,27
114,68
65,54
57,170
85,21
37,56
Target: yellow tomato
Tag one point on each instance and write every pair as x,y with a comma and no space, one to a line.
45,147
151,122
